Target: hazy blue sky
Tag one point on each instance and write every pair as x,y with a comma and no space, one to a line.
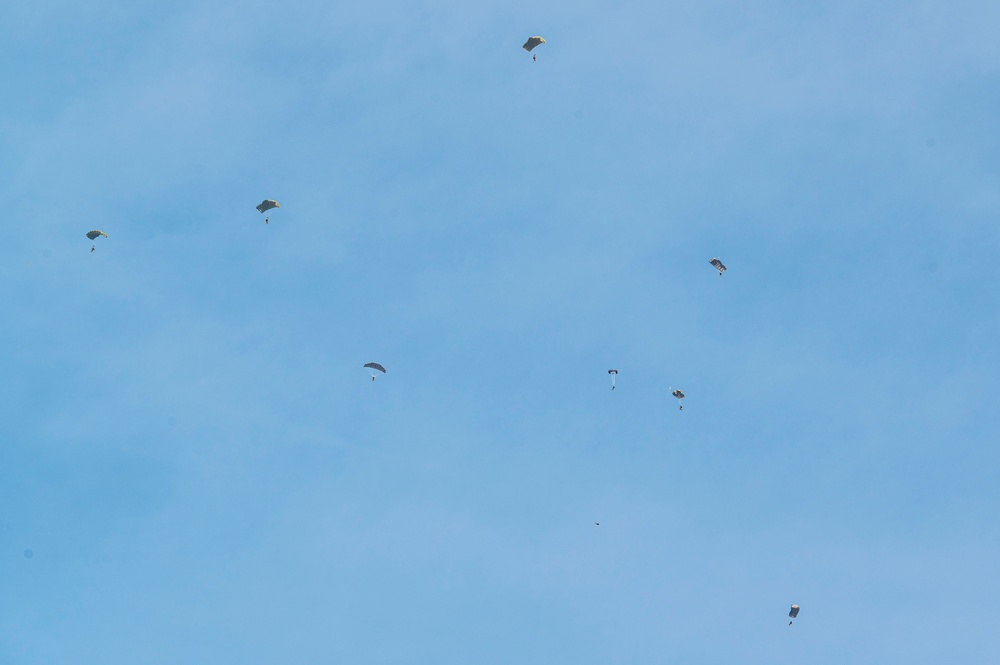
202,472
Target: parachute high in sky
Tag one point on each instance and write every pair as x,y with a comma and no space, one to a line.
613,373
718,265
533,42
265,205
374,366
679,395
93,235
794,612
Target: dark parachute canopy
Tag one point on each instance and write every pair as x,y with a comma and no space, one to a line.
679,395
613,373
266,205
93,234
374,366
533,42
794,612
718,265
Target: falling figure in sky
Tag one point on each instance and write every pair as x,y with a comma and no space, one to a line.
265,205
92,249
94,235
679,395
532,43
794,612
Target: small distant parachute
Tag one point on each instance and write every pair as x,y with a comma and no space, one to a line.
265,205
374,366
613,373
794,612
679,395
718,265
533,42
94,235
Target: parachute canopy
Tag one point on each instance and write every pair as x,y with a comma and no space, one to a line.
718,265
93,234
794,612
375,366
678,394
533,42
267,204
612,371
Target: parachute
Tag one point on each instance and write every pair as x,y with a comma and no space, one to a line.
374,366
94,235
718,265
679,395
533,42
794,612
613,373
265,205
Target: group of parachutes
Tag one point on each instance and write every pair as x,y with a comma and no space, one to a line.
270,204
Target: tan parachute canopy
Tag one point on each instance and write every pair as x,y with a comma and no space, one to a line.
533,42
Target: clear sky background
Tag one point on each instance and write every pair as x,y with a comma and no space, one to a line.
195,467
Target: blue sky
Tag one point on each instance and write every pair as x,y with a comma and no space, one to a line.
202,470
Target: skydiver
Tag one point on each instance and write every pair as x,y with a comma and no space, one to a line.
267,219
92,248
534,58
